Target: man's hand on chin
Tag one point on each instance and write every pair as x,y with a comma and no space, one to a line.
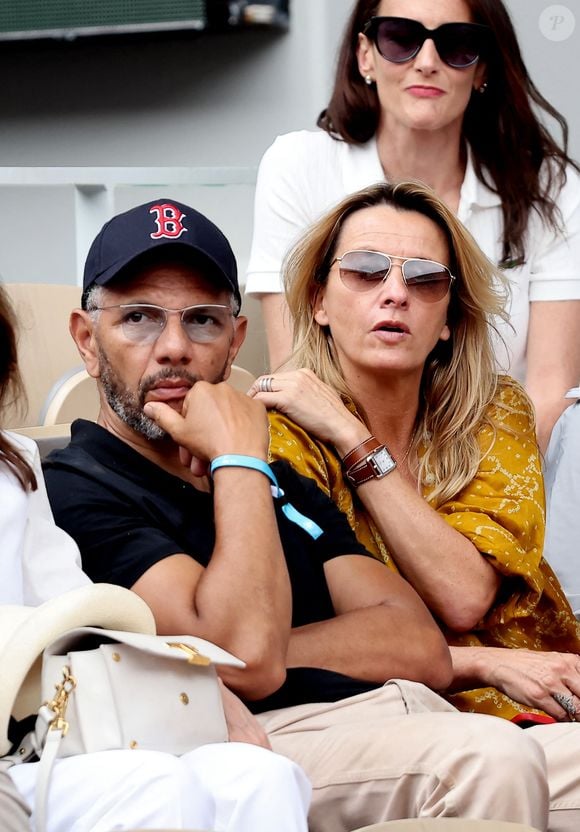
215,420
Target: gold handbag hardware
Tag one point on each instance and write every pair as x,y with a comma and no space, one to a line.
193,654
59,703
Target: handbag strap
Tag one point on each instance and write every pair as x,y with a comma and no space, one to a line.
51,726
45,766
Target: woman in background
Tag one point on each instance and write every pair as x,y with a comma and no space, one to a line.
37,559
439,92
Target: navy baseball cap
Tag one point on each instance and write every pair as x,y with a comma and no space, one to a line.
164,224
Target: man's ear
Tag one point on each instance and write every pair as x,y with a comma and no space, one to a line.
81,328
240,328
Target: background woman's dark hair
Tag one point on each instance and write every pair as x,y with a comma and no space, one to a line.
508,141
10,391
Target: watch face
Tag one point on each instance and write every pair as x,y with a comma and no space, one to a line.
382,462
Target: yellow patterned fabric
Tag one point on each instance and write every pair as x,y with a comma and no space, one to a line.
501,511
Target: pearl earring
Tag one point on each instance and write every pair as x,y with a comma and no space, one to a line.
369,81
482,88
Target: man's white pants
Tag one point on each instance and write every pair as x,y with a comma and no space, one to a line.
235,787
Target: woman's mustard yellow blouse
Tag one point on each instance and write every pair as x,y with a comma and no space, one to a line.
501,511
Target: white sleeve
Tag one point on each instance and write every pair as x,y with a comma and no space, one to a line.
555,266
281,209
13,500
51,562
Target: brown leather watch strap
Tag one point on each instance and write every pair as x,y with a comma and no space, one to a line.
360,475
360,452
376,465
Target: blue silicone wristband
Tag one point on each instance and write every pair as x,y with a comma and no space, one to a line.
243,461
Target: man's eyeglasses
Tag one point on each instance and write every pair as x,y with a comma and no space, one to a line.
399,39
143,323
361,271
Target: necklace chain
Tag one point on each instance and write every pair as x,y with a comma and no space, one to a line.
409,446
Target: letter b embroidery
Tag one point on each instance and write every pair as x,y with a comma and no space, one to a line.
168,220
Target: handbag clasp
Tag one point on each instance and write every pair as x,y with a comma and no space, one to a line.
193,654
59,703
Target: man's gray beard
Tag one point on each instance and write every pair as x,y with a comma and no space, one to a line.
129,406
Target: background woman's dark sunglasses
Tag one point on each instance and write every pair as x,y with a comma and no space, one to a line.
399,39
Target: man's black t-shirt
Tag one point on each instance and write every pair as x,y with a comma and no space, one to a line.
126,514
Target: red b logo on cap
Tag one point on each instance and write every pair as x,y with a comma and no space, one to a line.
168,219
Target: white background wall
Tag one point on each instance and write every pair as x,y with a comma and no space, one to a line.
209,100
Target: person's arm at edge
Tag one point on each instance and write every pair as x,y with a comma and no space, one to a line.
280,217
553,356
278,326
553,347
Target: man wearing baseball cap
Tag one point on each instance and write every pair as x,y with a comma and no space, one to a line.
171,495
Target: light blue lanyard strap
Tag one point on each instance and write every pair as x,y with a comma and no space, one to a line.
305,523
242,461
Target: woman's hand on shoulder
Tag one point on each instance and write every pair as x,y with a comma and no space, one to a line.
312,404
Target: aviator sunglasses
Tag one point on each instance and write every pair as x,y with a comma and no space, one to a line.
361,271
399,39
143,323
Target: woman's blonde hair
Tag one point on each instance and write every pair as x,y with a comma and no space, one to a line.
460,375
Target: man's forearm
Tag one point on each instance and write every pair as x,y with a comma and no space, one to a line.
375,644
242,599
244,594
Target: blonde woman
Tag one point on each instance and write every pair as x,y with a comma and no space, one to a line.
398,413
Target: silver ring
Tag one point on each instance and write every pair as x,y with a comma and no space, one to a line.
266,384
566,701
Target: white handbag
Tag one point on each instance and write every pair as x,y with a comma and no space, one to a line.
107,689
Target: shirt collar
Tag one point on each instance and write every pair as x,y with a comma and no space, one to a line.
474,194
363,166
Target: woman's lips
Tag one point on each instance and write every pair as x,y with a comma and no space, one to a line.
389,336
425,92
391,332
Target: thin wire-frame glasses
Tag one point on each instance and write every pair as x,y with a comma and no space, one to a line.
143,323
